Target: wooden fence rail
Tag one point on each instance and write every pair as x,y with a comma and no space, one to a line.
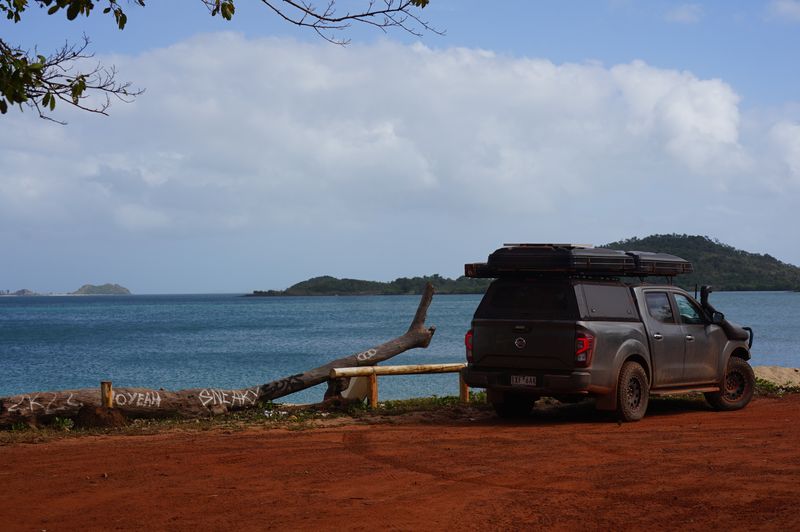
372,372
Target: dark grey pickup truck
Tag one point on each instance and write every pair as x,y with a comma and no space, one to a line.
572,322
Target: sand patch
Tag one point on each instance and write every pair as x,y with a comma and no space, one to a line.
778,375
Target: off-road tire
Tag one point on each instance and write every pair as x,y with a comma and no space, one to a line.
514,406
737,389
633,392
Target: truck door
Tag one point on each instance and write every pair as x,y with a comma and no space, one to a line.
702,353
666,339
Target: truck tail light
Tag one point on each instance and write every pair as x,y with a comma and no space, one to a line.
584,348
468,344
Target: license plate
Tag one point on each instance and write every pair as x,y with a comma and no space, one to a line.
523,380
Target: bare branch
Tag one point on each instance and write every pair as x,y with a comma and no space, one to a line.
327,21
61,77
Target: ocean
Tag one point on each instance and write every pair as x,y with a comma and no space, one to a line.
229,341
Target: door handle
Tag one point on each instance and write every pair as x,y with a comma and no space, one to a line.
689,338
658,336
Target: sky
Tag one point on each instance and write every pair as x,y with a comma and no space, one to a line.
261,155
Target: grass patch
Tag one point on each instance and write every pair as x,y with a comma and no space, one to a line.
266,415
427,404
770,389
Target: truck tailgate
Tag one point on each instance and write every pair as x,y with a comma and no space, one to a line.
526,344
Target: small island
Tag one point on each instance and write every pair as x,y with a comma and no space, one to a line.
20,292
107,289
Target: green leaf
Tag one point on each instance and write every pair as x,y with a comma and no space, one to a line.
3,107
53,9
72,11
78,85
227,10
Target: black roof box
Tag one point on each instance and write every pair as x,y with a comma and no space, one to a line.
576,259
648,263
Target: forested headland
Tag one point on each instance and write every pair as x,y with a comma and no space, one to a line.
331,286
717,264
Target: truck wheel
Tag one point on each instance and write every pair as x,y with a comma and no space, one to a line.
633,392
738,388
510,405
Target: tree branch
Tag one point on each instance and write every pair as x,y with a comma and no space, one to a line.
327,21
39,82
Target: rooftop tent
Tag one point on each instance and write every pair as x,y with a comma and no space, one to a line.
576,259
648,263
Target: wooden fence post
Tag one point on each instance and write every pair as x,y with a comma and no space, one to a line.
373,390
463,389
106,394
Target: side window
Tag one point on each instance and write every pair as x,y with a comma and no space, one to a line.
609,301
689,313
658,306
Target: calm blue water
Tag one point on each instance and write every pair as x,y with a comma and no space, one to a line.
227,341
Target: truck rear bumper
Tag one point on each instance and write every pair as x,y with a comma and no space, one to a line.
546,382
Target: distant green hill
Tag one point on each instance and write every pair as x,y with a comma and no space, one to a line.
720,265
331,286
715,263
101,290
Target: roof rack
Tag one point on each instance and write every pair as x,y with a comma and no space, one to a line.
517,259
564,246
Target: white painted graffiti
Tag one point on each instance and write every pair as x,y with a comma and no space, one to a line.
366,355
146,399
214,397
28,404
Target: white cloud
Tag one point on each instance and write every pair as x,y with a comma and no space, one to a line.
698,120
247,130
275,139
785,9
786,138
685,13
138,217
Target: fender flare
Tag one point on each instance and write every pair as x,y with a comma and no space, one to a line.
733,348
631,349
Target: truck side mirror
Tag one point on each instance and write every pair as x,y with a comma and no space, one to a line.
717,317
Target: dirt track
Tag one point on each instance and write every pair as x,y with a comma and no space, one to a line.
681,467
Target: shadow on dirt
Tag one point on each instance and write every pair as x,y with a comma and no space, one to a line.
552,413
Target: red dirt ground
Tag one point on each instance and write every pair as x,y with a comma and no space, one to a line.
682,467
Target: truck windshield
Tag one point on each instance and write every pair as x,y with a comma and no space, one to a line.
535,299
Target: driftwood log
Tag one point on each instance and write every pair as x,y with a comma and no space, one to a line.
40,407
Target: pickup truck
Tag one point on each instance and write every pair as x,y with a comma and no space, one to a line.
573,322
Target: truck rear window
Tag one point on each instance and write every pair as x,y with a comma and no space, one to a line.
538,300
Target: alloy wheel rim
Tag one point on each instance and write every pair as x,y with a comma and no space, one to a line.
634,393
734,385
